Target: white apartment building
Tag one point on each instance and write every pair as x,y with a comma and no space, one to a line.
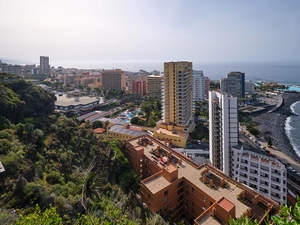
262,173
223,129
198,86
249,87
177,96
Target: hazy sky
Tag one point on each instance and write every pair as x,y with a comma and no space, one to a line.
150,30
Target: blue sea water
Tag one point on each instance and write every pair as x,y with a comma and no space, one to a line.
292,127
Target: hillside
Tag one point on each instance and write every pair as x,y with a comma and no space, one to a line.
51,161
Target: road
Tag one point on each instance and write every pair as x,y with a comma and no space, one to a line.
247,142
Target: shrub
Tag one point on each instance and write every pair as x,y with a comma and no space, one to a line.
54,178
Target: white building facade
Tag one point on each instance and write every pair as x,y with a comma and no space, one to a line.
249,87
262,173
198,86
223,130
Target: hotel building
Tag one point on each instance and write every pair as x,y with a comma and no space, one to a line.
234,84
223,130
113,79
177,104
153,86
177,188
177,97
260,172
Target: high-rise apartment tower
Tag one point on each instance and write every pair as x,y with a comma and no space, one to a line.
234,84
114,79
198,86
44,64
223,129
177,95
153,86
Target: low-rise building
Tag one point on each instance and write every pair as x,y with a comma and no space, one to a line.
122,132
260,172
174,135
178,188
76,105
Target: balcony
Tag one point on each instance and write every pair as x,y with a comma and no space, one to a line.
276,181
265,168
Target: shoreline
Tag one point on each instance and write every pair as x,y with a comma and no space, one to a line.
273,125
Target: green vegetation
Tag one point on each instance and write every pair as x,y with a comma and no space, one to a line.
271,87
50,160
151,114
214,85
270,144
252,130
286,216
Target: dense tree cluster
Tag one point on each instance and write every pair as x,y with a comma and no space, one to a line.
50,160
20,99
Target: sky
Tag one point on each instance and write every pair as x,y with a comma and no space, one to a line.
94,31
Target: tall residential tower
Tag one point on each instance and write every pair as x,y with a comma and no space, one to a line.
44,65
234,84
223,129
177,95
198,86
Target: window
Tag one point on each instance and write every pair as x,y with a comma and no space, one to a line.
179,191
192,190
180,184
166,200
166,193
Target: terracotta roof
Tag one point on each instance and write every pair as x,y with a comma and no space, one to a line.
99,130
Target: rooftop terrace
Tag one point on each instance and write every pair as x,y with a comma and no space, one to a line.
206,177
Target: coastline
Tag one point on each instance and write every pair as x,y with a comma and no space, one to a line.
273,125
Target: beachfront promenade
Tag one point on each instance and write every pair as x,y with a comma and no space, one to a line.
272,122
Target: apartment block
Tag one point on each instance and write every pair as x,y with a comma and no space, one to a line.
11,69
249,87
86,80
206,86
153,86
177,188
234,84
139,87
260,172
223,129
114,79
198,86
44,65
177,95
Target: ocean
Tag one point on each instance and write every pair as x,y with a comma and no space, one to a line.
292,127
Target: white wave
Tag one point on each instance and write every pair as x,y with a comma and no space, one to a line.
289,129
293,108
